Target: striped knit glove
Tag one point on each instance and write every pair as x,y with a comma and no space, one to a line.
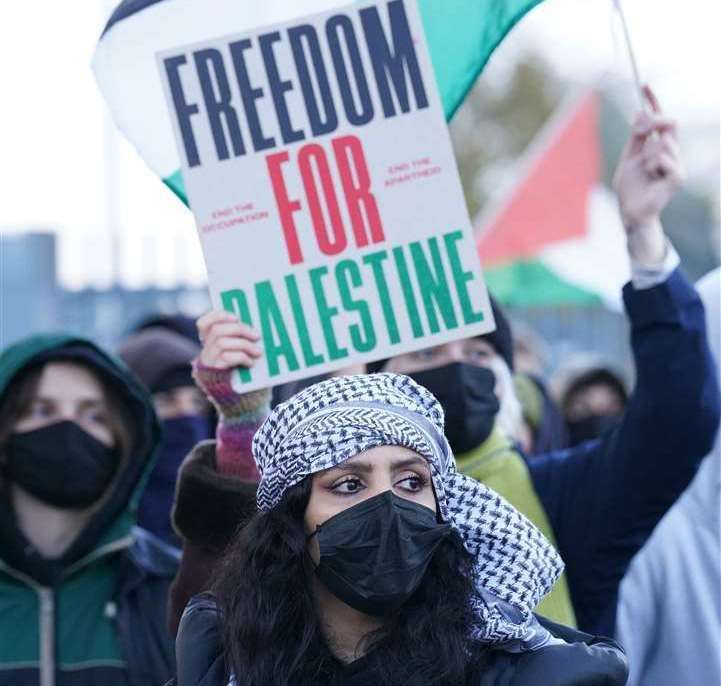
240,417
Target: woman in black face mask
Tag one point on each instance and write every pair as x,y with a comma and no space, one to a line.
76,437
373,561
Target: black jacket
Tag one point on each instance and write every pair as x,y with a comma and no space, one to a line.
144,576
583,661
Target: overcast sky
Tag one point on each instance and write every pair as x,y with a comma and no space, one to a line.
61,155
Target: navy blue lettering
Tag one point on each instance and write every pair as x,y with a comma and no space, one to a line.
249,95
320,125
278,88
336,25
218,104
397,62
183,110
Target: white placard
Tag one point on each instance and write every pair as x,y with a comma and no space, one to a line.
318,164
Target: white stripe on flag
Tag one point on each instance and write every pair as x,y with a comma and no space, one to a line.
126,71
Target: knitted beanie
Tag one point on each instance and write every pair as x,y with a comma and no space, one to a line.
160,358
501,339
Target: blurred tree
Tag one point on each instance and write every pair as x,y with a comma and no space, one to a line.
690,223
497,122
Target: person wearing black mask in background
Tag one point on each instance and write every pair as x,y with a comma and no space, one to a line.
600,501
162,359
592,402
82,591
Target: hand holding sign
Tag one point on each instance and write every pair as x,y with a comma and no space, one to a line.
648,174
227,342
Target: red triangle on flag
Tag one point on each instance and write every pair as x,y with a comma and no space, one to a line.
549,204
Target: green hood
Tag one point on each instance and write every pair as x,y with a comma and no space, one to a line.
114,519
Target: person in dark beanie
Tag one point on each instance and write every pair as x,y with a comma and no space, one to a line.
161,359
83,590
501,338
178,323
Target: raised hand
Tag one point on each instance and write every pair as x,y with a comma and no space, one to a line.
648,174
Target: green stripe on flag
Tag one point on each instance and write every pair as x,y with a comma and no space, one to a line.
175,183
461,35
529,283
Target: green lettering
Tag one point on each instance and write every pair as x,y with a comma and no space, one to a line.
235,301
271,321
310,357
434,287
375,261
408,295
346,271
461,278
326,313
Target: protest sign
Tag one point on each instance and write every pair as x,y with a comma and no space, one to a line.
319,168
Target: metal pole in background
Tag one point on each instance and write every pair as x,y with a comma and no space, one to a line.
112,178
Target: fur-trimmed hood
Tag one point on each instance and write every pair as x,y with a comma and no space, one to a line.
209,506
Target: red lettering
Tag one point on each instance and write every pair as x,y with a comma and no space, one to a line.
325,213
349,155
286,206
329,243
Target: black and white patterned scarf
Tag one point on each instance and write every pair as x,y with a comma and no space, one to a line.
334,420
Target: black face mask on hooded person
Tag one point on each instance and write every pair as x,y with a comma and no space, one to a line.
591,427
60,464
470,405
373,556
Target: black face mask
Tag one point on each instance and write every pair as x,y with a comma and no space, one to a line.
60,464
373,556
468,400
591,427
180,435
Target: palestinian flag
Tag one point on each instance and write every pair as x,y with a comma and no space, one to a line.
556,238
461,34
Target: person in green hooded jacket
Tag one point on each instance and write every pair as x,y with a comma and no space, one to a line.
82,590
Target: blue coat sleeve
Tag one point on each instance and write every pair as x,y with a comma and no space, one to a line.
604,498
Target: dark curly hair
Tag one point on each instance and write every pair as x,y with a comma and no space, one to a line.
271,632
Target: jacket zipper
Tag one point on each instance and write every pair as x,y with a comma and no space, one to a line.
47,636
46,598
47,625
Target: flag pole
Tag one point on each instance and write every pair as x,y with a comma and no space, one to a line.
634,67
631,54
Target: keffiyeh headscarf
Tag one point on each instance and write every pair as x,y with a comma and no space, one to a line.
334,420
